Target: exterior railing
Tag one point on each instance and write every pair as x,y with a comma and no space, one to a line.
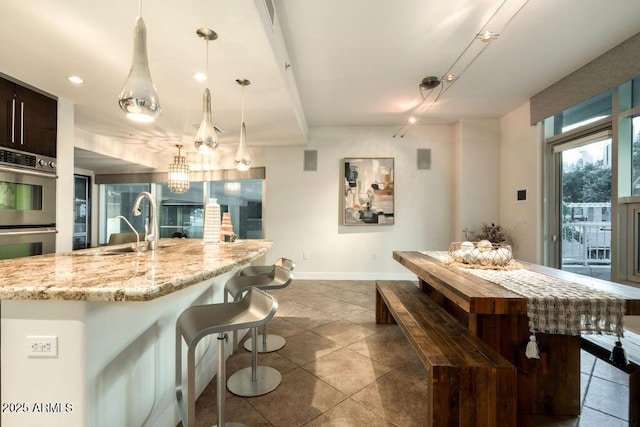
586,243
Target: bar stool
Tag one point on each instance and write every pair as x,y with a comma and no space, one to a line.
255,380
265,270
267,342
196,322
277,278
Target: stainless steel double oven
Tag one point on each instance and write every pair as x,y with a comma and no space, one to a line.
27,204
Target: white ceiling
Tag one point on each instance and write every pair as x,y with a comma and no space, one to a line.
352,62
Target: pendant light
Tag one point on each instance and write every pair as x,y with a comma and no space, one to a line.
138,97
243,158
206,139
178,179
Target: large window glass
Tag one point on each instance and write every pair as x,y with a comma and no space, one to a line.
181,214
118,200
243,200
635,156
585,223
635,92
589,111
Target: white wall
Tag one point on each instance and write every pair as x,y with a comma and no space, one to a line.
64,189
521,168
302,209
477,166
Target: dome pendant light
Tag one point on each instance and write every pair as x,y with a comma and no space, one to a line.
206,139
243,158
138,97
178,177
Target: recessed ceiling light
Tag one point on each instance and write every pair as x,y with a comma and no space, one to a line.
199,76
412,120
75,79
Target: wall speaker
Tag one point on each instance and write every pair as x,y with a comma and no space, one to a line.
310,160
424,158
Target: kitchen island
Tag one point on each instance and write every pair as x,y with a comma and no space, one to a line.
110,315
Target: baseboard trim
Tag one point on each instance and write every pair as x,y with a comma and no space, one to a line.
305,275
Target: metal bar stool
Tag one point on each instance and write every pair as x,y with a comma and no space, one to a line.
255,380
267,342
266,270
196,322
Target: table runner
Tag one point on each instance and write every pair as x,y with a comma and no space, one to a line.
556,306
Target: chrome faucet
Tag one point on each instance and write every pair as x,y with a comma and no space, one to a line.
132,229
151,236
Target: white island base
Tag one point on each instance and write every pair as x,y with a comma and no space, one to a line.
115,364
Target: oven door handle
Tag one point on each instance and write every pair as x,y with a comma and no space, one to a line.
26,233
27,172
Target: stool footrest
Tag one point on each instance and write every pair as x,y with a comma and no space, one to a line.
241,383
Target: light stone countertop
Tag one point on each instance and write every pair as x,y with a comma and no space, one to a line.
87,276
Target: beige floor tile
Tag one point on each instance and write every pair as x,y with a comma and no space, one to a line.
414,367
299,398
346,370
343,332
283,327
363,286
237,409
273,359
336,312
306,347
389,347
398,398
366,301
339,309
348,414
367,319
303,316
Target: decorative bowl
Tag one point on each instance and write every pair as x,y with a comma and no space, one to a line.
482,253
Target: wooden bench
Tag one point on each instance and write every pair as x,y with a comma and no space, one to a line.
470,384
601,345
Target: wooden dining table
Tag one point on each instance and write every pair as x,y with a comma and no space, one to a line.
549,385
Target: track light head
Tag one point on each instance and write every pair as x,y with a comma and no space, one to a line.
429,82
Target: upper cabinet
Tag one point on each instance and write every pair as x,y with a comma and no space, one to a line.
28,120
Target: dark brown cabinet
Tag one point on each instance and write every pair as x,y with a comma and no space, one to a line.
28,120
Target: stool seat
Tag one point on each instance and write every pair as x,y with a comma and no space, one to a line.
199,321
277,278
196,322
265,270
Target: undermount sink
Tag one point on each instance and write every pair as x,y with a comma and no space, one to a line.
116,251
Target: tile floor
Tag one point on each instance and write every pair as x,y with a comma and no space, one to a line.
341,369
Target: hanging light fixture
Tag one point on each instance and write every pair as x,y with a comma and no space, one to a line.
243,158
178,179
138,97
206,139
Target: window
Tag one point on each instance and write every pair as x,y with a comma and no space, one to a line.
243,200
589,111
635,156
181,215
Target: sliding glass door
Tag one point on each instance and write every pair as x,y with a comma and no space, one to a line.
583,205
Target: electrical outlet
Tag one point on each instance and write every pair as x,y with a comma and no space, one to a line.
374,255
305,255
42,346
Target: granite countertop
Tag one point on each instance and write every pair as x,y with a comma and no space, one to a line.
92,275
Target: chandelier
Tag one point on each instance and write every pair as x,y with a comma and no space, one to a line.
178,179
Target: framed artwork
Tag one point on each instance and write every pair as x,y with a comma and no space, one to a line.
368,191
